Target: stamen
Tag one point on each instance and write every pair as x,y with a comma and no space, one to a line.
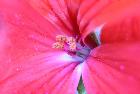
65,42
58,45
72,47
70,40
61,38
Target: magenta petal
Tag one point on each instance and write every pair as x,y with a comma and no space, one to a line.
122,30
69,83
28,64
41,74
93,14
113,69
23,33
61,13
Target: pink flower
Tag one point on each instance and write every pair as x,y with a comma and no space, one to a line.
104,49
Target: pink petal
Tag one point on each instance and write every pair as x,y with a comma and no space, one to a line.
93,14
123,30
28,64
41,74
113,69
61,13
68,84
23,33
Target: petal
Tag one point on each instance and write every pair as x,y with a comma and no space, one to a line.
93,14
28,64
45,73
61,13
23,32
68,84
113,69
123,30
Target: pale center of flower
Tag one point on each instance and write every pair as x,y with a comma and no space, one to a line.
74,48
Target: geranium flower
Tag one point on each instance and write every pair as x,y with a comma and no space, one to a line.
46,46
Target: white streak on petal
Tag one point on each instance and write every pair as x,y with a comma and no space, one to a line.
80,68
98,32
65,57
68,58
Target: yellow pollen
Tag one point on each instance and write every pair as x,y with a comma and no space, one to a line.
58,45
61,38
62,41
72,47
70,40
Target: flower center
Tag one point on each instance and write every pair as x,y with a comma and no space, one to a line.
73,46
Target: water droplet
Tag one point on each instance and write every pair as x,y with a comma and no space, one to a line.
17,69
46,93
122,67
18,16
36,48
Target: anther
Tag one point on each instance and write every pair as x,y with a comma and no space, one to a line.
69,43
70,40
58,45
61,38
72,47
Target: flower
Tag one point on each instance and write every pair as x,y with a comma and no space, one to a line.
47,45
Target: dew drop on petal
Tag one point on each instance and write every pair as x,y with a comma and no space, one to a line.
18,17
17,69
36,48
122,67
